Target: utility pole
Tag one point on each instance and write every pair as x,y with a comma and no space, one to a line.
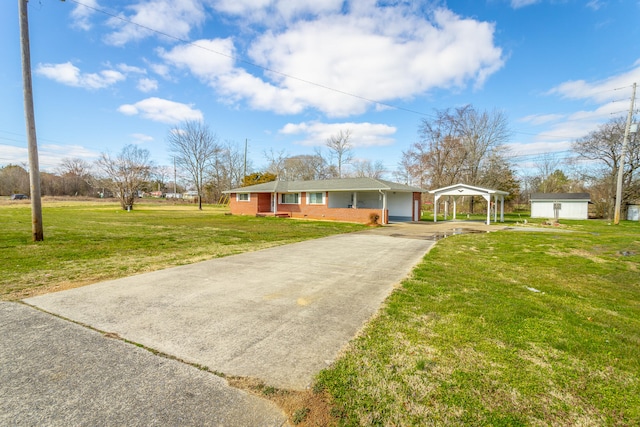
623,154
34,167
175,178
245,159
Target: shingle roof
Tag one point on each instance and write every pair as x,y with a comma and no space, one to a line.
560,196
343,184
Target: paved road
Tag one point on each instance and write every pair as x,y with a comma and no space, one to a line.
56,373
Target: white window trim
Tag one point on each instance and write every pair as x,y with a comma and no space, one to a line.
285,203
324,197
238,197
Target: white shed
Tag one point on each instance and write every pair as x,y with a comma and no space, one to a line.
560,205
633,212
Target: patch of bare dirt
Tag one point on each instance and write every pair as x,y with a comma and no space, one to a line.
306,408
41,290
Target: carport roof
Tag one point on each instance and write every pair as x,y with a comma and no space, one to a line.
342,184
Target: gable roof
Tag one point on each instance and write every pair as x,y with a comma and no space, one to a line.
465,190
341,184
560,196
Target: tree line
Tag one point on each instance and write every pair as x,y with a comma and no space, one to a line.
454,145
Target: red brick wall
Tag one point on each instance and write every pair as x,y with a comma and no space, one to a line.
261,202
243,208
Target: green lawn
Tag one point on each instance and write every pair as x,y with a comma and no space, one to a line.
90,241
507,328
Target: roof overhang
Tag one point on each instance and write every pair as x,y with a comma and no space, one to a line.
466,190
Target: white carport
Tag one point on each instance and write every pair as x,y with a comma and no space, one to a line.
459,190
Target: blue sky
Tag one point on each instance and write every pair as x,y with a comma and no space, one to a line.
285,75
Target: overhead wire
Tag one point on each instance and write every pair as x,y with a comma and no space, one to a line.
245,61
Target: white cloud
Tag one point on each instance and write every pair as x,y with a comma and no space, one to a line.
517,4
82,13
376,53
147,85
362,134
141,138
70,75
175,18
605,90
539,119
206,59
49,155
161,110
130,69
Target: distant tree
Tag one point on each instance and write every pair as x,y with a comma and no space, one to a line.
14,179
457,145
75,177
258,178
126,174
368,169
601,151
227,169
341,148
195,148
276,161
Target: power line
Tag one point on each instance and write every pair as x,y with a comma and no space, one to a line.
300,79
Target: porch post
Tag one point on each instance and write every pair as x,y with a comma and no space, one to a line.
383,219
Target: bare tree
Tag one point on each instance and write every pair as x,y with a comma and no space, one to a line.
227,171
341,147
601,150
195,148
368,169
14,179
126,173
76,176
276,161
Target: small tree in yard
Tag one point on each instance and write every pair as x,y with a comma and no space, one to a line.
195,149
126,173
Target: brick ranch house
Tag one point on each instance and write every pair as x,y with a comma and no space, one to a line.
346,199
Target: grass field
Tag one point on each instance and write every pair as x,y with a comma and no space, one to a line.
86,242
507,328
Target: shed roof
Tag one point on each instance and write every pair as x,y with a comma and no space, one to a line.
342,184
554,197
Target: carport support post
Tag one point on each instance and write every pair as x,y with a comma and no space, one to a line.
487,197
501,208
435,207
454,208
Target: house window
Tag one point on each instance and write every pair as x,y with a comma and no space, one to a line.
290,198
242,197
316,198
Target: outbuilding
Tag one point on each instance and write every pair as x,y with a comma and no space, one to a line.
346,199
560,205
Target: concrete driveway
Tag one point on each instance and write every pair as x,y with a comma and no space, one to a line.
279,315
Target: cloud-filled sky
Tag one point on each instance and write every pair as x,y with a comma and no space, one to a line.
285,75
